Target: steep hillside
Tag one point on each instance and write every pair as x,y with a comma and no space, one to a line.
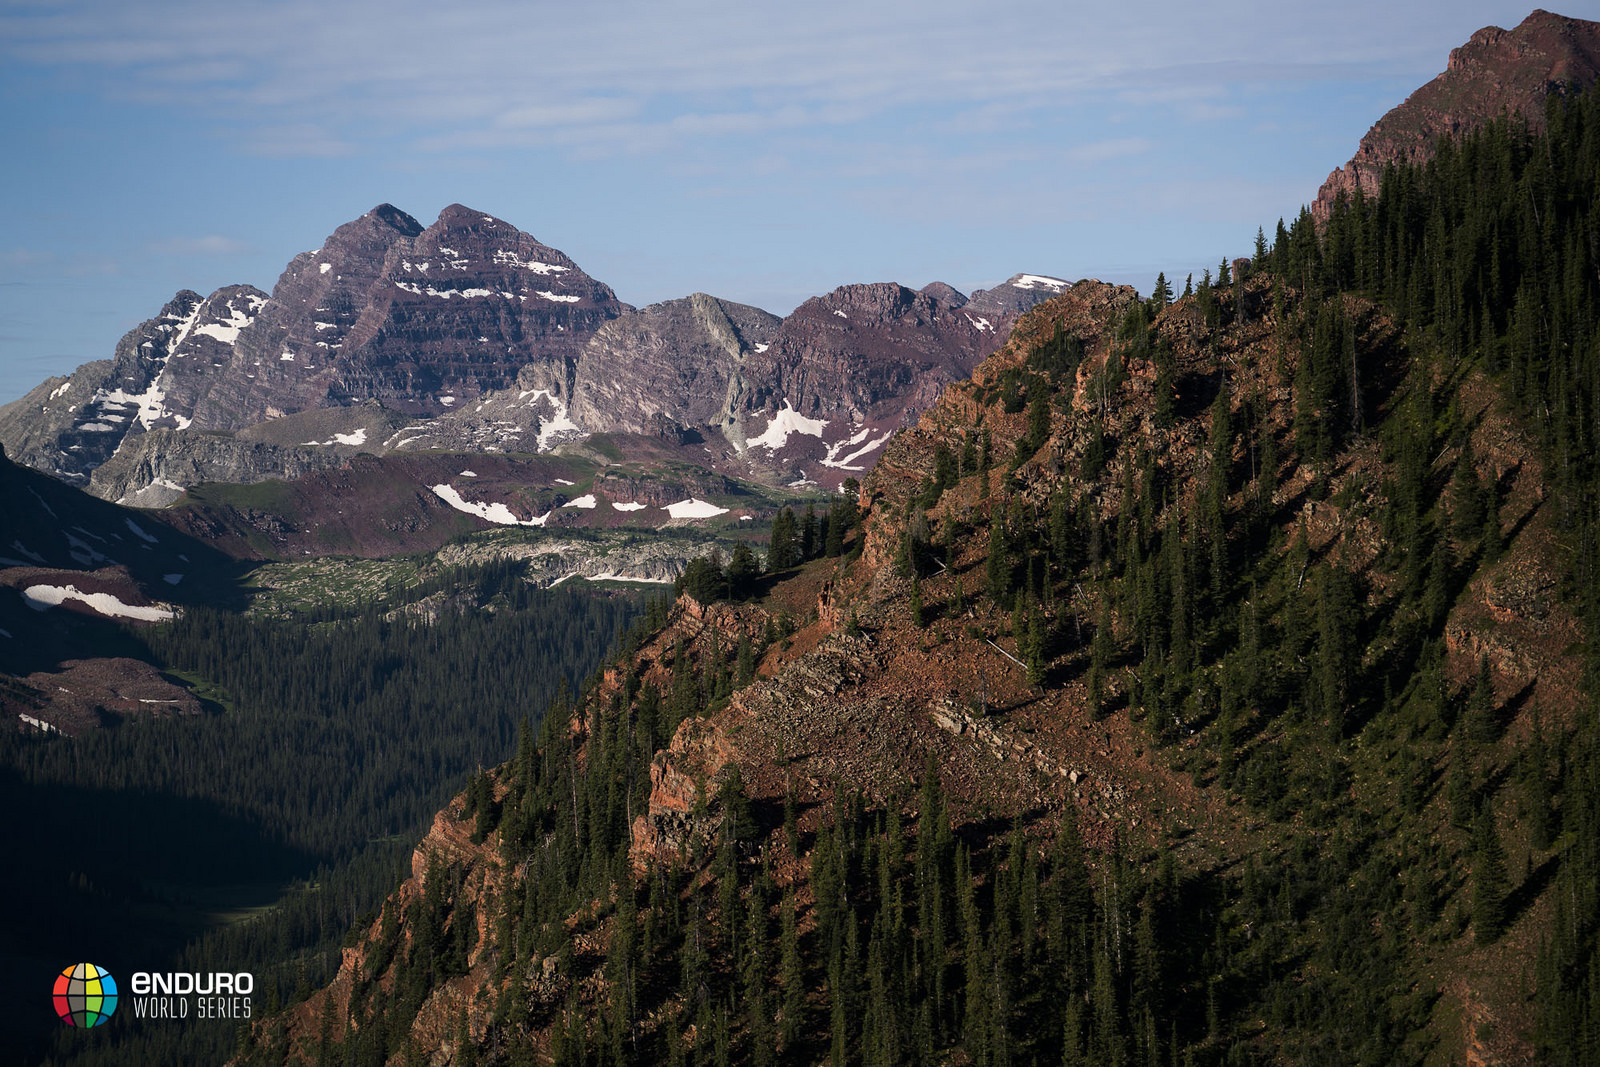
1206,682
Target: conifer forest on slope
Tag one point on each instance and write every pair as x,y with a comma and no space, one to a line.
1263,527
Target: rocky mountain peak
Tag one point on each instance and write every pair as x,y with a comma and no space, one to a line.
947,293
1497,71
1016,294
395,219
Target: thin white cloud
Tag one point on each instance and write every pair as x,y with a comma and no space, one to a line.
209,245
25,257
650,76
1102,151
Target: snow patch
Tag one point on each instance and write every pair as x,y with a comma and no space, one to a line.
469,474
841,314
785,422
559,297
586,501
323,268
172,579
1039,281
446,294
357,438
981,324
629,506
832,460
608,576
563,481
228,332
287,357
83,552
558,426
496,513
140,534
41,597
511,259
694,508
762,347
64,386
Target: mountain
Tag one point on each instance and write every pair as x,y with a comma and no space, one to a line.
806,399
73,571
69,426
1496,72
416,320
471,336
1201,682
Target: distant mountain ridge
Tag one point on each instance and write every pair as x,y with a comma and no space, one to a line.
471,335
1495,72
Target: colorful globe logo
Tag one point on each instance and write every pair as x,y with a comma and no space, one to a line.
85,995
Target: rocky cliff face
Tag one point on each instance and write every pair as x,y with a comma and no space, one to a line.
69,426
151,470
420,320
679,362
1495,72
848,369
473,336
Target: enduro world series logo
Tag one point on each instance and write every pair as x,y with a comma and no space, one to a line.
86,995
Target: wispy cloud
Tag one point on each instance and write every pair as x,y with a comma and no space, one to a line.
307,78
1102,151
209,245
25,258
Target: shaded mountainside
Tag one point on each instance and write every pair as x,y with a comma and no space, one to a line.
73,570
1496,72
1206,682
405,502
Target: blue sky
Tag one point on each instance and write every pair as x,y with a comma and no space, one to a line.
757,151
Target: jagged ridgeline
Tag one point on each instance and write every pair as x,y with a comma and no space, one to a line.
1208,682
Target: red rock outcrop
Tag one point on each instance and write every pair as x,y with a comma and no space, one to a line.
1496,72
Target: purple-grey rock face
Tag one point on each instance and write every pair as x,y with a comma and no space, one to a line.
69,426
678,362
862,350
470,335
420,320
1008,300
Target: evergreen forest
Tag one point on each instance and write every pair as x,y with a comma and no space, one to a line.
1402,816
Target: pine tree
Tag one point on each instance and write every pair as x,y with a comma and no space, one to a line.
1489,880
783,550
1161,295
